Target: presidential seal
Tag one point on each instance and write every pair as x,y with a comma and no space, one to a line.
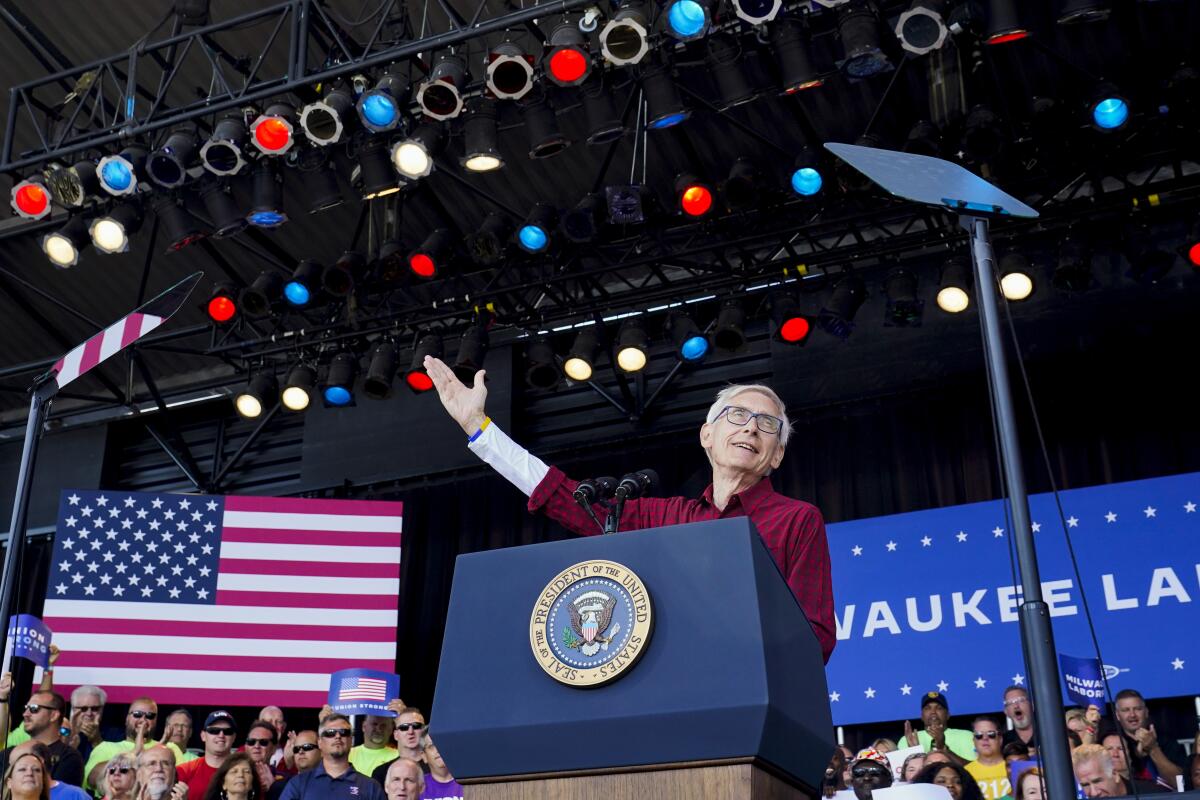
591,623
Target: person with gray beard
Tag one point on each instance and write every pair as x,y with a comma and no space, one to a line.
156,776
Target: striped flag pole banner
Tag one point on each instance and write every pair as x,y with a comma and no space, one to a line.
209,600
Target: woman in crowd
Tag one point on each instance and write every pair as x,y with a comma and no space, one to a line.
956,780
26,779
119,777
1029,785
911,766
235,780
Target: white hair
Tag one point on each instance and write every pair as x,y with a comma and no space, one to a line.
729,392
92,691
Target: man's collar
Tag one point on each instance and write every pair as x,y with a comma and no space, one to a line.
320,767
749,498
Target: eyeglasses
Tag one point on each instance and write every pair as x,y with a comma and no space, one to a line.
415,726
330,733
34,708
862,772
122,770
144,714
303,748
216,730
987,735
742,416
259,742
89,709
1016,701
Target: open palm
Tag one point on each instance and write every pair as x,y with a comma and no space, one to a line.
464,404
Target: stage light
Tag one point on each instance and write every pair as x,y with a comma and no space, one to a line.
1073,267
568,60
119,174
603,121
417,377
31,198
632,344
226,216
72,186
298,391
338,390
924,139
1191,247
1148,264
904,308
481,149
434,253
541,125
260,392
304,283
578,365
756,12
688,19
509,72
922,29
742,187
790,43
1077,11
64,245
440,94
729,334
541,366
256,299
266,210
664,107
582,223
488,244
858,29
837,316
168,165
381,371
391,260
1109,110
177,224
321,188
376,170
983,137
807,179
535,233
325,121
222,307
413,156
691,345
110,232
272,132
692,196
624,39
1004,22
625,206
954,291
224,153
724,57
791,326
1016,277
379,107
472,349
338,278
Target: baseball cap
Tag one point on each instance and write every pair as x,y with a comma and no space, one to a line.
220,716
934,697
871,754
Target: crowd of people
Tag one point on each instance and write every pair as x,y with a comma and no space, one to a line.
58,752
1124,755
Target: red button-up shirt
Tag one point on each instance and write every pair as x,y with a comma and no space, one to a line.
793,531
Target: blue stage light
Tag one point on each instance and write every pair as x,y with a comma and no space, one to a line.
267,219
694,348
379,109
806,181
116,175
687,18
1110,113
337,396
297,293
533,238
670,120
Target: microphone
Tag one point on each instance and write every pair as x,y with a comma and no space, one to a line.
637,484
595,490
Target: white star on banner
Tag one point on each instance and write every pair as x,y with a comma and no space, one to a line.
73,499
202,594
141,513
190,582
870,693
169,515
1110,517
185,504
118,590
1018,679
856,550
1149,511
129,502
174,592
156,502
211,505
209,527
101,500
943,686
89,589
997,532
114,513
71,521
962,537
906,689
834,697
126,524
86,511
926,541
1177,663
1189,507
197,516
891,546
980,683
1037,527
146,591
61,588
1072,522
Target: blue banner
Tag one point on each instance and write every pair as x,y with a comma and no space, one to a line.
28,637
363,691
927,601
1084,680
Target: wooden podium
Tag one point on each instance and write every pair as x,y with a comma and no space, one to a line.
726,700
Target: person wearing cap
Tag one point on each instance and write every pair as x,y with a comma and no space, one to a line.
870,771
957,744
218,734
140,723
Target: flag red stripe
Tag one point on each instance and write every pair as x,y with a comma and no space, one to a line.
232,597
223,698
284,536
185,661
133,329
228,630
298,505
250,566
91,352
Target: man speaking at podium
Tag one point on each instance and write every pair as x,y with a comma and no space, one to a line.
744,438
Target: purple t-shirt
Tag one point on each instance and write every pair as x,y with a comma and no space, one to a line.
436,790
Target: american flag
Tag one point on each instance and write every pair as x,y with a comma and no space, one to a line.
362,689
221,600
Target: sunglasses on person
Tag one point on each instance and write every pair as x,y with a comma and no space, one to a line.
259,742
862,772
144,714
89,709
330,733
410,726
34,708
218,730
307,747
121,770
987,735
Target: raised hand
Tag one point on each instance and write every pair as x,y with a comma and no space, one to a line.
910,735
1147,740
463,404
5,687
397,705
54,654
289,758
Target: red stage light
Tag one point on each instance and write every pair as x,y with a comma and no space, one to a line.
696,200
419,381
422,264
794,329
568,65
222,308
1009,36
31,200
1194,254
273,134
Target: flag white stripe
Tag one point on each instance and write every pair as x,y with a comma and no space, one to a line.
211,646
192,679
311,522
149,323
70,368
186,612
311,552
307,584
111,343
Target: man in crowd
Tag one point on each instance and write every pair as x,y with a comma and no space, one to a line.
1112,744
439,783
260,746
274,716
1150,758
956,743
870,771
304,754
87,707
41,722
410,741
376,748
1095,773
989,769
218,735
334,778
178,729
405,781
156,775
1019,708
139,729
